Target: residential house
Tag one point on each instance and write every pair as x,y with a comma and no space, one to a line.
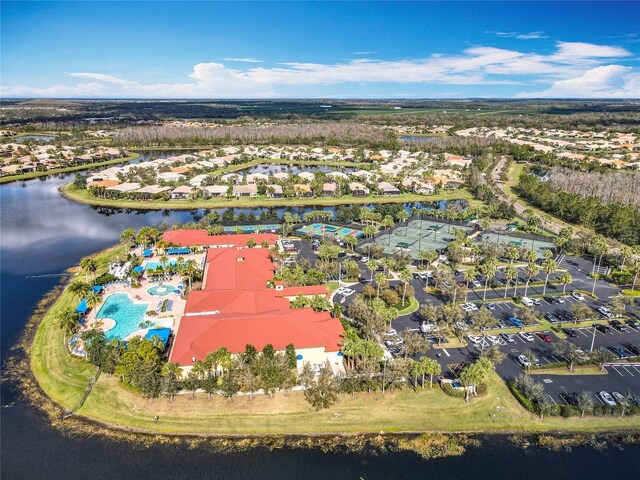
216,190
151,191
274,191
387,189
182,193
303,190
358,189
245,190
329,189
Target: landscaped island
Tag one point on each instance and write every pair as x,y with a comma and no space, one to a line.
232,334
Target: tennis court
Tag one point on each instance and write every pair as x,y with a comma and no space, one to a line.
252,229
418,235
532,244
319,229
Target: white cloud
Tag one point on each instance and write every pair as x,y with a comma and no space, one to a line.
245,60
478,65
521,36
362,53
610,81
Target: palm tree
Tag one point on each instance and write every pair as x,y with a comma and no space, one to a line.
510,273
79,289
190,270
488,269
93,299
513,254
405,277
68,321
549,267
564,280
531,270
372,266
430,367
380,280
468,275
89,265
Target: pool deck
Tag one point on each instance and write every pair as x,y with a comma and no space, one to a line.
140,295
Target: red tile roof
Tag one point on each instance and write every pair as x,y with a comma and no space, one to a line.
190,238
226,272
234,301
199,335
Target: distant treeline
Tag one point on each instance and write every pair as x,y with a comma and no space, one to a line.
618,187
614,220
320,134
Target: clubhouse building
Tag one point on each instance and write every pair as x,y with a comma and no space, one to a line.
240,304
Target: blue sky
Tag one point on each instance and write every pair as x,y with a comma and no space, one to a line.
320,49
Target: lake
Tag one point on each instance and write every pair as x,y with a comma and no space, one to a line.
42,234
35,138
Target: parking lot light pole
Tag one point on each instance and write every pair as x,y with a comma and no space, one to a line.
593,339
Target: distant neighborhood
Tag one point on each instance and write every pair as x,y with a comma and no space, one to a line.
281,172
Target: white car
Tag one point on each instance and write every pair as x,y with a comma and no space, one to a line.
348,291
605,311
527,337
578,296
465,307
476,284
474,338
607,398
508,337
427,327
364,259
524,361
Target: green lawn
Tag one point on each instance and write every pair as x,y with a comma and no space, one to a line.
76,168
83,196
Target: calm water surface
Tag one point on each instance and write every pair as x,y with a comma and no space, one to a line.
42,234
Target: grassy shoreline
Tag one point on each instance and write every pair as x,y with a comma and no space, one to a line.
76,168
83,196
63,379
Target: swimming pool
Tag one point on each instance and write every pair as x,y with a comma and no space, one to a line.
161,290
127,314
154,265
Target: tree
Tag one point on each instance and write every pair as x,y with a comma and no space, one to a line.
564,280
251,242
531,271
580,312
549,266
93,299
324,392
89,265
413,343
474,374
431,367
380,279
469,275
290,353
170,379
570,351
79,289
586,403
428,256
483,319
128,237
372,266
510,273
494,355
488,269
405,277
68,321
602,356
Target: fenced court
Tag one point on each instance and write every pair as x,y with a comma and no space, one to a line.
317,230
418,235
533,243
272,228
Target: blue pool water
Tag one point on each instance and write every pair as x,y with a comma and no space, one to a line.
161,290
127,315
154,265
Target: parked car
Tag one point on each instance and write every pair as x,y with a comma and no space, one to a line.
605,311
527,302
527,337
551,317
364,259
603,328
544,336
571,332
524,361
619,351
607,398
633,323
508,337
537,301
577,296
618,325
476,284
619,398
491,306
570,398
559,299
516,322
474,339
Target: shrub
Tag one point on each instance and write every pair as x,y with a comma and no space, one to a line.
452,392
522,399
104,278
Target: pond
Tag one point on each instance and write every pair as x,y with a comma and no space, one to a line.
35,138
